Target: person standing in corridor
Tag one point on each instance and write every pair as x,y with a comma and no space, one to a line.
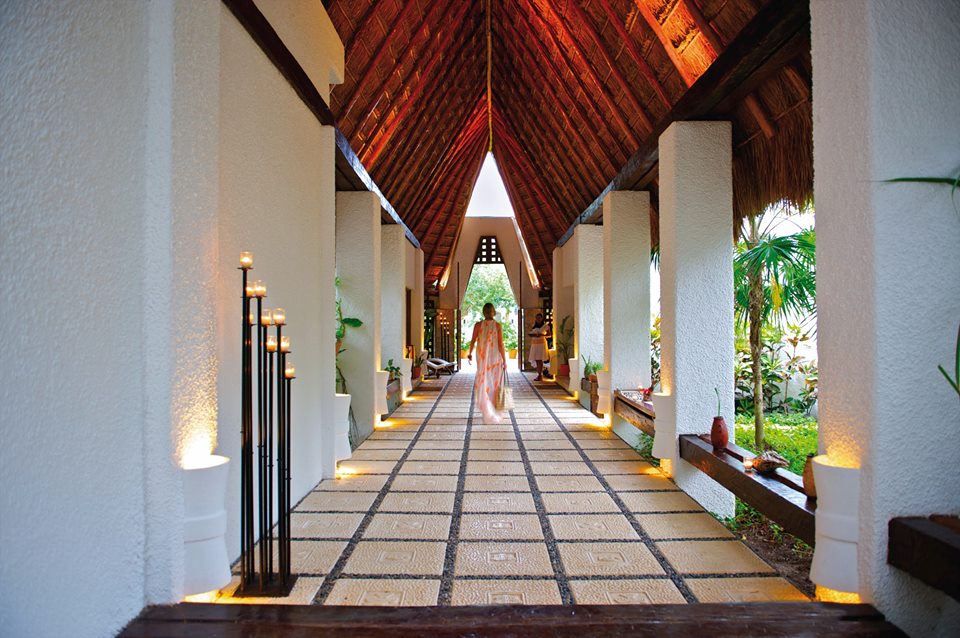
491,363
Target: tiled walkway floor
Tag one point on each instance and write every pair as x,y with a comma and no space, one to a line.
547,508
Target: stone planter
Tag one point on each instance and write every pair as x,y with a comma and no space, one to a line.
206,566
341,419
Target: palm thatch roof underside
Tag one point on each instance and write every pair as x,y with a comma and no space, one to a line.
581,89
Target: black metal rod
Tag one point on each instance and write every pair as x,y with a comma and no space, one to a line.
246,423
282,530
261,457
286,468
269,384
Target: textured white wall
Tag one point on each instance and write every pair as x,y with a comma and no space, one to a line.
626,295
587,255
359,267
278,201
696,288
72,196
888,274
393,290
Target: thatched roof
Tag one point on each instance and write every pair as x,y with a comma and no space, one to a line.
580,89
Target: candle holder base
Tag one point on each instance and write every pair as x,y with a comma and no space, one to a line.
273,589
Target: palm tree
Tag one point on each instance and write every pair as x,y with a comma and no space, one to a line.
774,281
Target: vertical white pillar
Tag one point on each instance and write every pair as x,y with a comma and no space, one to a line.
359,267
418,298
393,289
587,299
626,294
326,383
888,288
696,290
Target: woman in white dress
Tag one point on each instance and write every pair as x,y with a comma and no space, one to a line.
538,345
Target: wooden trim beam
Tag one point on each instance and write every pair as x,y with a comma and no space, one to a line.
265,36
927,549
665,42
754,55
635,54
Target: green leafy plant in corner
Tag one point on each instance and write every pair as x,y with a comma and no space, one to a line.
590,367
393,370
342,324
564,339
955,381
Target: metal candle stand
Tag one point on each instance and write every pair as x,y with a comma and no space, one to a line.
257,577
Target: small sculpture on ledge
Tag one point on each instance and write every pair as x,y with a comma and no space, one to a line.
768,462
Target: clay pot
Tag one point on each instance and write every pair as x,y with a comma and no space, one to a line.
563,370
809,485
414,373
719,435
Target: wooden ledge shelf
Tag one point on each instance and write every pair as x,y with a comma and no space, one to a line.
629,406
779,497
927,549
717,620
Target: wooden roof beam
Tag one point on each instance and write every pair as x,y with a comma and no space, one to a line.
600,117
522,220
756,53
612,108
381,51
528,54
533,135
635,54
713,36
668,47
372,149
607,58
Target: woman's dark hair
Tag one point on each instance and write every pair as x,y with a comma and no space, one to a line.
487,306
538,320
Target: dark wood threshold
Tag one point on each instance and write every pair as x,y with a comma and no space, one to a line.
591,388
628,405
779,497
927,549
734,620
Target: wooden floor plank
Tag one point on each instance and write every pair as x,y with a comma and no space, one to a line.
715,620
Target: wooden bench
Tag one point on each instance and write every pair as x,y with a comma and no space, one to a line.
779,497
717,620
927,549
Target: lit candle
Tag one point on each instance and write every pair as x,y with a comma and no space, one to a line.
253,318
271,343
289,371
266,317
251,289
246,260
259,288
279,316
747,464
284,343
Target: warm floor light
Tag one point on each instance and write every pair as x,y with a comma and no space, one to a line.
346,472
827,595
205,597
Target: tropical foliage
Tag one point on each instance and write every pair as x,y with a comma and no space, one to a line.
774,282
489,284
565,339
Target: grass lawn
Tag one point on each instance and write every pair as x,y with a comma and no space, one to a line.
793,436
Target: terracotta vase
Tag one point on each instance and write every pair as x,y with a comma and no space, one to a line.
719,436
809,486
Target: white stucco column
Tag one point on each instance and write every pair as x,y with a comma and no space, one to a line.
359,268
696,297
392,293
888,289
626,294
587,253
418,299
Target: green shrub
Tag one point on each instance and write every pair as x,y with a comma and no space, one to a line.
792,435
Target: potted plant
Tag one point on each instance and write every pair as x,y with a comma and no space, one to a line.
564,337
418,364
343,412
393,370
719,435
590,368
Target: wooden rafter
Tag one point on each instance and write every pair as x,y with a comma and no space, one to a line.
382,50
527,59
714,37
564,23
612,109
635,54
600,119
665,42
372,149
